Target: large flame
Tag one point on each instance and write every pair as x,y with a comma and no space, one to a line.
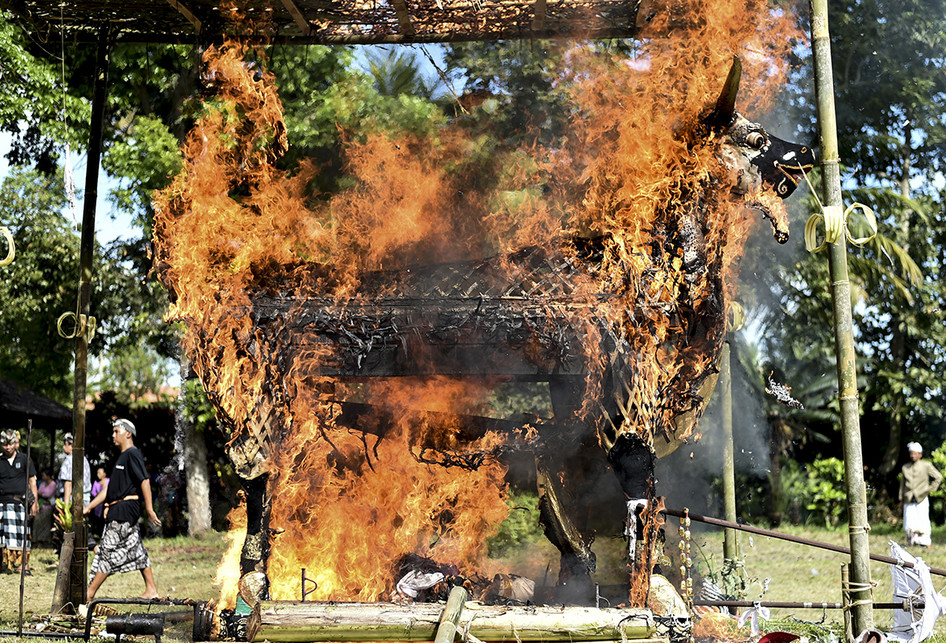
347,504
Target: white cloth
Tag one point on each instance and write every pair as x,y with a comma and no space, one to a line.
630,527
916,522
753,614
914,583
413,582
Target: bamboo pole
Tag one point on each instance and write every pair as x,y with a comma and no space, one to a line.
730,538
80,553
447,630
904,606
862,615
280,621
795,539
27,536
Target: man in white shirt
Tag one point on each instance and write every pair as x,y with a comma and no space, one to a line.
65,473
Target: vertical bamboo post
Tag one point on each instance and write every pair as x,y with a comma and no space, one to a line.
862,615
447,629
80,553
846,602
27,536
730,536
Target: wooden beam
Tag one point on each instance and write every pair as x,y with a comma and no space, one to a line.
297,16
538,15
187,13
403,17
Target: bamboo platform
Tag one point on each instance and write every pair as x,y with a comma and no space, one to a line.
297,621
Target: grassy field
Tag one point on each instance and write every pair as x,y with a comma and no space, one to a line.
184,568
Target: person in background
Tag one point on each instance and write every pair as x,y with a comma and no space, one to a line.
121,549
47,490
98,513
65,473
16,473
919,478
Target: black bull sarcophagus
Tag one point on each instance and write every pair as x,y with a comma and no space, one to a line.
626,340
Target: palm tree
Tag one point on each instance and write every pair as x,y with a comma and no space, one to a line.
397,71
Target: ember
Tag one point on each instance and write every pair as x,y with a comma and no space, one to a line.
612,288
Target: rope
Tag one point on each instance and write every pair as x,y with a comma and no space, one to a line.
835,221
849,587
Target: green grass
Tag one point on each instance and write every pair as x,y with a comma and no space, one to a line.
184,568
801,573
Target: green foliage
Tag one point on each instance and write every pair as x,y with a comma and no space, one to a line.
33,107
395,71
39,286
196,405
520,76
521,400
136,375
520,528
326,100
890,88
62,518
146,158
821,491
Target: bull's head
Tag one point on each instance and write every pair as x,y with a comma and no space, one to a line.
757,156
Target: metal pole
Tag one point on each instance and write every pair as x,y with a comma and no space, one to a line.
730,536
78,575
862,614
794,539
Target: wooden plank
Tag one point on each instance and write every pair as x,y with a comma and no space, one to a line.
539,8
403,17
187,13
297,16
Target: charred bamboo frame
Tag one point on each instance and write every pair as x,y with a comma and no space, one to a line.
795,539
861,612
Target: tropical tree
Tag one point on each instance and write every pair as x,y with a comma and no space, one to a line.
890,90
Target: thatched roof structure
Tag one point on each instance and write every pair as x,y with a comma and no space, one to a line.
333,21
22,402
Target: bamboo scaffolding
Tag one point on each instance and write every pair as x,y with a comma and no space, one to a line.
285,621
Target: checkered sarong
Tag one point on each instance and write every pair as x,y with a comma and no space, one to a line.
13,526
120,551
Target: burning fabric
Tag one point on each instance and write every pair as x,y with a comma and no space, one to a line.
350,346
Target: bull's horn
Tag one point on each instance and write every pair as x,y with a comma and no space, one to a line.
725,111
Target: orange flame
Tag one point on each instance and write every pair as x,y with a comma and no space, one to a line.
347,504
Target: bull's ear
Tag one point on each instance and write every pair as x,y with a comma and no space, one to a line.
724,113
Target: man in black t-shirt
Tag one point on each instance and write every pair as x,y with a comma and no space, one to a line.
121,549
16,472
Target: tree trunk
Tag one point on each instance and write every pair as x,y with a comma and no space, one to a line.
774,501
198,483
195,468
307,621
